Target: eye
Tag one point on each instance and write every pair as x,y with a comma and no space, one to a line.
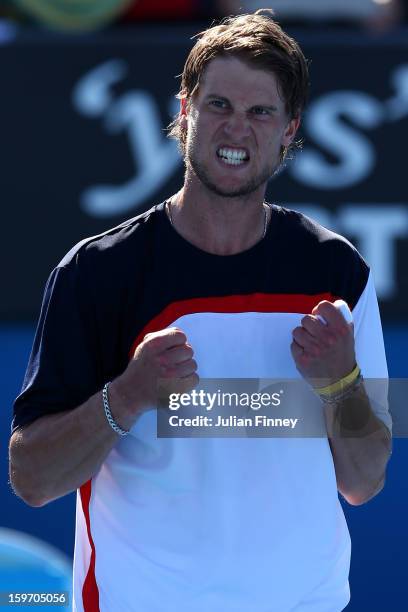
219,103
260,110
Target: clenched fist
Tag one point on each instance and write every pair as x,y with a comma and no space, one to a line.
324,352
163,362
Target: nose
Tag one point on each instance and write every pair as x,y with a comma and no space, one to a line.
236,126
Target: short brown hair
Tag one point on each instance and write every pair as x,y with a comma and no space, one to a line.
259,41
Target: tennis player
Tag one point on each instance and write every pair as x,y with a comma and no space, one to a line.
217,283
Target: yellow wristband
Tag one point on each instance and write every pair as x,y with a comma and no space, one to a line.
340,384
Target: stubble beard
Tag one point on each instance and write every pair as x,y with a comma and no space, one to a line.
202,173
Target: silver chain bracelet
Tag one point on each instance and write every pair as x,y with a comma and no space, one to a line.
110,419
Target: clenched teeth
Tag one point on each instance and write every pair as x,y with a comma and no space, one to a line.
232,156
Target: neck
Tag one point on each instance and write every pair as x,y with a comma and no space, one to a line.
216,224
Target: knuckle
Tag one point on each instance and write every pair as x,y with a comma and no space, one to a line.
136,352
179,334
324,307
153,337
319,305
186,353
151,342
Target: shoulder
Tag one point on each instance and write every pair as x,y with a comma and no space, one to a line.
309,233
323,254
108,258
127,236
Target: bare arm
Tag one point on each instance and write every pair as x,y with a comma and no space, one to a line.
361,447
58,453
359,441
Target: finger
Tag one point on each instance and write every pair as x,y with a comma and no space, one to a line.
313,325
330,314
187,368
188,383
166,338
305,340
181,370
296,350
176,355
318,330
167,386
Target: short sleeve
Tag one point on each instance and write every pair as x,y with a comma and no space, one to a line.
63,369
370,350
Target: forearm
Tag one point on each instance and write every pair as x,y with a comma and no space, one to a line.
360,444
58,453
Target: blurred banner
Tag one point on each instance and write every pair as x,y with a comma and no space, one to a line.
84,147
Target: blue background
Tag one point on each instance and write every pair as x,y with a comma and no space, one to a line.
378,529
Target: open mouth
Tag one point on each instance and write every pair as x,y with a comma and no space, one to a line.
233,157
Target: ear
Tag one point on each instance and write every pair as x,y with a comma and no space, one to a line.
290,131
183,112
183,106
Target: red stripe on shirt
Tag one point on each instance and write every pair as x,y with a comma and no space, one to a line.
90,591
254,302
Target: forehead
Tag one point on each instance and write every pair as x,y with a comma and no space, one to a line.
233,78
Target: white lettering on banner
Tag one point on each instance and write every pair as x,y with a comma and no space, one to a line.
324,123
397,107
92,95
356,154
135,113
376,229
156,158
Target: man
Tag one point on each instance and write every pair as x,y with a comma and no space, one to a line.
214,282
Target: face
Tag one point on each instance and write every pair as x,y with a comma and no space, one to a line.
236,126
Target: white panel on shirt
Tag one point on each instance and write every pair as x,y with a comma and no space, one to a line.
227,525
370,351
